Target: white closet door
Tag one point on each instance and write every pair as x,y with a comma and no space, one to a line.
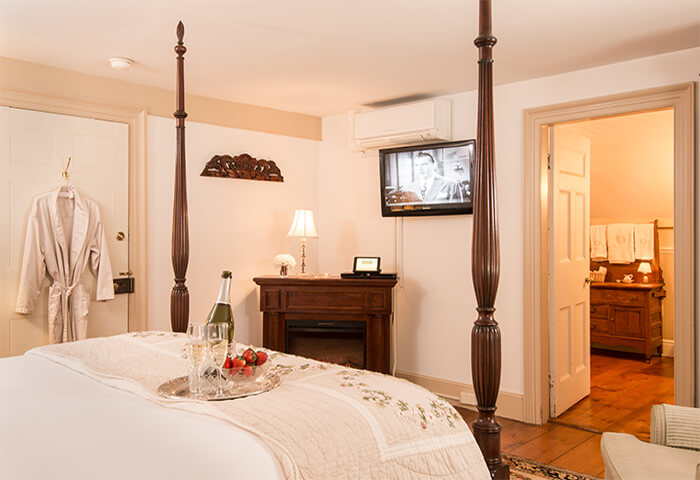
34,148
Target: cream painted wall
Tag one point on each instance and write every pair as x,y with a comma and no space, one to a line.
436,303
631,166
238,225
21,76
632,182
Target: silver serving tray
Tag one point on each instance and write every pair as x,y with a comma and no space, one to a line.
179,388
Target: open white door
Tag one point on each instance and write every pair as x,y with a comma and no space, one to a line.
35,147
569,265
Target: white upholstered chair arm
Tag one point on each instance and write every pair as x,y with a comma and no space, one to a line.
675,426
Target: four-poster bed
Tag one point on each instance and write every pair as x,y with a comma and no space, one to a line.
95,406
486,336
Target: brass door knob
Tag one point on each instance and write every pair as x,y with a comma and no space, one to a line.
120,236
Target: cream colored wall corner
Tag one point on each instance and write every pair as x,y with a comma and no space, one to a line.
234,224
41,79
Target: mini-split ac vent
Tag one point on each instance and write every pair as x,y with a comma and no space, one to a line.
419,122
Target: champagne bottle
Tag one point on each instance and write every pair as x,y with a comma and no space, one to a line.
221,311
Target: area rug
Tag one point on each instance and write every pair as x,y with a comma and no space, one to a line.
524,469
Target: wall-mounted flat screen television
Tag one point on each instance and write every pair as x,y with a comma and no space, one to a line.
431,179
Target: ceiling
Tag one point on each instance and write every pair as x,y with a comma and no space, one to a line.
324,57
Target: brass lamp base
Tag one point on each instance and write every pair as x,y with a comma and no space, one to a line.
303,256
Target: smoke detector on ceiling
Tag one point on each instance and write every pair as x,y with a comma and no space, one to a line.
120,63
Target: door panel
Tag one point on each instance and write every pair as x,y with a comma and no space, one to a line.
569,247
38,145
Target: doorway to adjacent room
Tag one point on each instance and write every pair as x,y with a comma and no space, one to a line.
614,174
537,266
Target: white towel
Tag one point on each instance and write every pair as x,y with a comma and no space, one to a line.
644,241
621,243
599,246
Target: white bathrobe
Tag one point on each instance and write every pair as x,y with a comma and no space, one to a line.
64,236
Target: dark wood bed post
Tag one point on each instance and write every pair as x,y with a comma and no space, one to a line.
180,296
486,336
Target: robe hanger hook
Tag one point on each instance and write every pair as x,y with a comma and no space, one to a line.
65,173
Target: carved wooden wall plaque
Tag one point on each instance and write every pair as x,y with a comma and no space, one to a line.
242,166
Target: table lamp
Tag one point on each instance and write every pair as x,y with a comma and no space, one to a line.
644,268
303,226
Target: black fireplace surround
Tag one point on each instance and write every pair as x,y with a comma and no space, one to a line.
334,341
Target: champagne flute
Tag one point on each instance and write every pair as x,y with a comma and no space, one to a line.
196,347
217,341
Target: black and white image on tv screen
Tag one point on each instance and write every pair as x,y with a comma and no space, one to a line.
428,176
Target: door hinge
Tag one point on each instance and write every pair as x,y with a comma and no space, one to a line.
550,379
549,161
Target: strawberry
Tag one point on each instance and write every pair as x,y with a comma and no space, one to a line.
261,357
249,356
247,371
228,363
237,364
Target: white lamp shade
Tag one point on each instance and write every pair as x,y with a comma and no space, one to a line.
303,225
644,267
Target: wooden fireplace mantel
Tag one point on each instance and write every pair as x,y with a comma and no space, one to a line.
329,298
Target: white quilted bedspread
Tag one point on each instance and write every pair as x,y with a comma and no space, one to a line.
323,422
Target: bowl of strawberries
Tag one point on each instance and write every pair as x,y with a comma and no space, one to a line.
247,367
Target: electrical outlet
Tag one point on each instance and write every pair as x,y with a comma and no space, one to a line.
467,398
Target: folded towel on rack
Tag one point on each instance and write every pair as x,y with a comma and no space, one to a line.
644,241
621,243
599,245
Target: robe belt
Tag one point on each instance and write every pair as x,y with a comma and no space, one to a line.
68,334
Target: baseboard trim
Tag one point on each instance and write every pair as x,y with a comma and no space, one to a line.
667,348
510,405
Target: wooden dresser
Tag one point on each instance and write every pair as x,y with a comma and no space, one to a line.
627,316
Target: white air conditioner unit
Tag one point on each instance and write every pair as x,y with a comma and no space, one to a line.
402,124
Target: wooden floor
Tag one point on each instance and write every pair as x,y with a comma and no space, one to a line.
566,447
623,389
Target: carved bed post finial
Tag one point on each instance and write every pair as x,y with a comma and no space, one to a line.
486,336
180,296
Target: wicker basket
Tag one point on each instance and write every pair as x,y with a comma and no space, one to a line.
597,276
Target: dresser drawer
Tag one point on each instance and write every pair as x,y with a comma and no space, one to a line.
622,297
599,325
599,310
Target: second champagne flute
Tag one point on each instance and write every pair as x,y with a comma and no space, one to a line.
217,340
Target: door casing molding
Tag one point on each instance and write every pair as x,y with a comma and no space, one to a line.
135,118
536,223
